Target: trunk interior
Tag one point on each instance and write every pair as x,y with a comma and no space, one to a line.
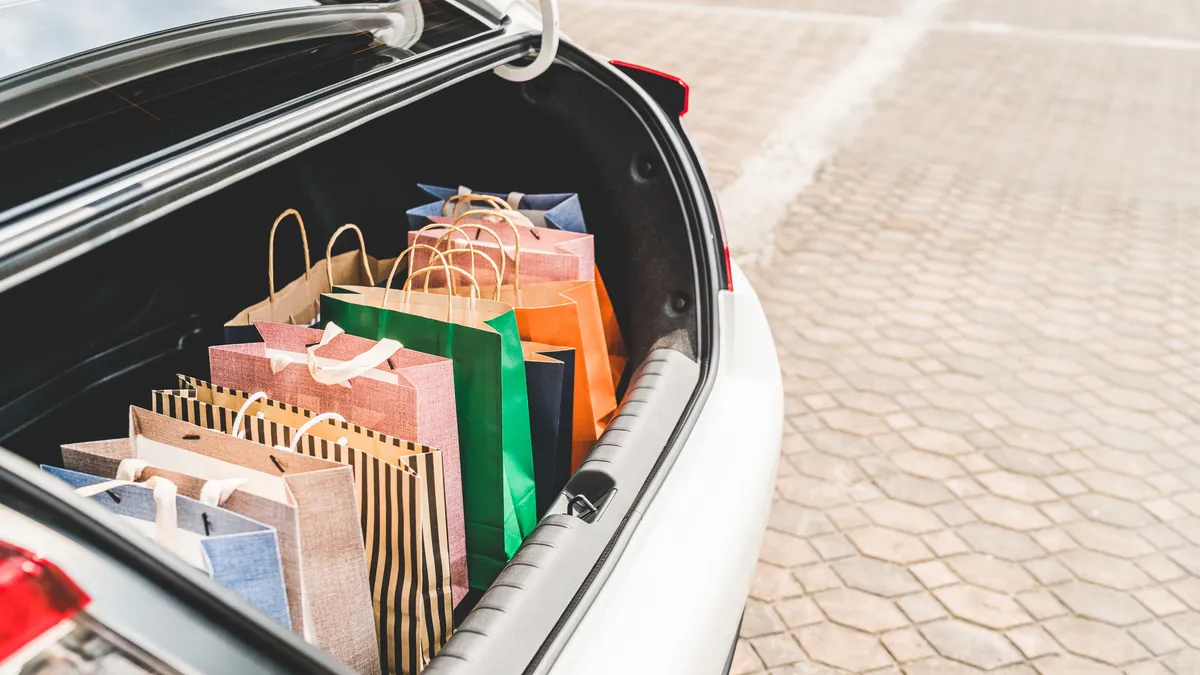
99,332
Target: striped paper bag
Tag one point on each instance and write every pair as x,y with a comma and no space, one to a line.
378,461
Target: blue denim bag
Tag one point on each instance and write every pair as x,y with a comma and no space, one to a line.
559,211
240,554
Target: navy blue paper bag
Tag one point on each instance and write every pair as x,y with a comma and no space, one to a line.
550,380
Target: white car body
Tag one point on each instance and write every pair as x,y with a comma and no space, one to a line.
674,601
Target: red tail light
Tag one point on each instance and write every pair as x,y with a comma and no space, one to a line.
670,92
35,596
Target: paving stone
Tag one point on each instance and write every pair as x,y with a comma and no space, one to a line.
1160,601
1069,664
777,650
843,648
921,607
1186,662
933,574
1048,571
1113,511
1000,542
796,612
811,492
919,491
875,576
1054,540
1024,462
1164,509
1188,558
816,578
936,441
889,545
939,666
964,487
1186,626
832,546
772,583
1105,570
758,619
1041,604
981,606
846,517
970,644
745,660
926,464
1117,485
832,468
785,550
954,514
1103,604
853,422
1066,485
1108,539
1146,668
797,520
992,573
944,544
1027,489
859,610
1157,638
1095,640
1160,567
902,516
1033,641
1187,590
1032,440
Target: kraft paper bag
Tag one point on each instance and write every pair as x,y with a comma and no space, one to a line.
377,460
310,502
237,552
298,302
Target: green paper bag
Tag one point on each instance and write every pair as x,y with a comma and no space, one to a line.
481,338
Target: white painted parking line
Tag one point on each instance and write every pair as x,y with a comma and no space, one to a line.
812,130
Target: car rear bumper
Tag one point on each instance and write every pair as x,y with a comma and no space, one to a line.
674,599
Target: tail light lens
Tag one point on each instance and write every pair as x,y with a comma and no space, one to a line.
35,596
44,629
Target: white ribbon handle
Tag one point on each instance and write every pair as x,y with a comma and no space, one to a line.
166,515
309,425
339,373
237,421
212,493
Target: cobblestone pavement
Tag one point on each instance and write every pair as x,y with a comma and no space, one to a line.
986,308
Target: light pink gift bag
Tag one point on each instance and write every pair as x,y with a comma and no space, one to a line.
377,385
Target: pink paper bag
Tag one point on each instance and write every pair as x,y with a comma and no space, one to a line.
377,385
546,255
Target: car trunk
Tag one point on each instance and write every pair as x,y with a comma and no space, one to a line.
95,334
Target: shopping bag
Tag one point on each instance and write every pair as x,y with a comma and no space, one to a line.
546,255
557,211
298,302
482,340
309,501
508,239
565,313
549,378
377,459
401,392
239,553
